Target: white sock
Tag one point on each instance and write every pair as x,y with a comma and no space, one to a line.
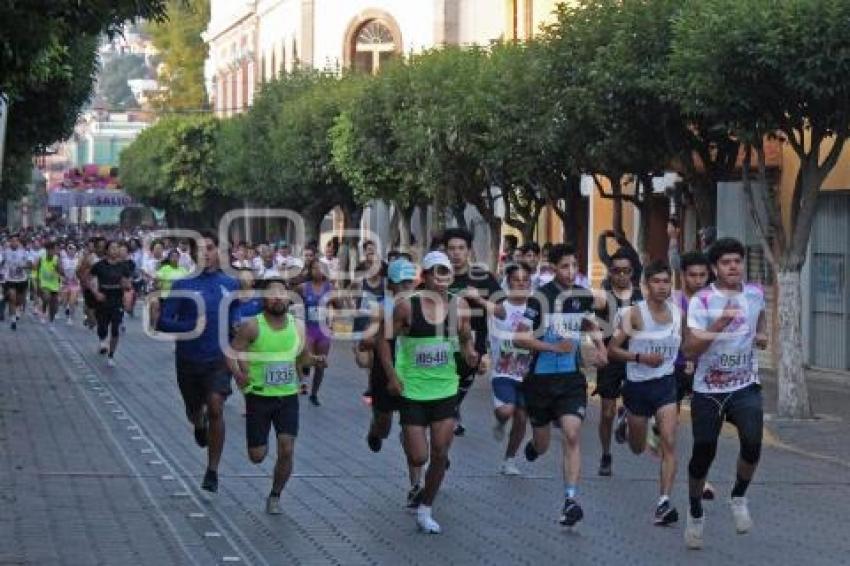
424,511
663,499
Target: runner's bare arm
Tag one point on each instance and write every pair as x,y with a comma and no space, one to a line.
245,336
524,338
616,351
761,338
697,340
464,334
400,324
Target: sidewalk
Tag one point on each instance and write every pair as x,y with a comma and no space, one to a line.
827,436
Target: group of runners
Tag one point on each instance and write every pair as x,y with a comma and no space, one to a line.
424,332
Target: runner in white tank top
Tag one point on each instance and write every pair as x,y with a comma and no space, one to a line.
653,329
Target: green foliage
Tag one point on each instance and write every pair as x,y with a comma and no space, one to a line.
47,67
786,70
366,141
173,164
183,54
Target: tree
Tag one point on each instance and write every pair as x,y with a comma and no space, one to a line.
112,80
184,53
172,165
365,145
47,64
782,68
613,105
43,112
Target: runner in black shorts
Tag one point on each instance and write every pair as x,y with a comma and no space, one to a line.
202,372
609,379
269,350
401,276
556,389
110,280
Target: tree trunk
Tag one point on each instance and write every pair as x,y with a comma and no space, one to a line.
793,394
704,194
458,210
403,229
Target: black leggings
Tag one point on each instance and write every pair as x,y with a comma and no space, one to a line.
742,408
109,320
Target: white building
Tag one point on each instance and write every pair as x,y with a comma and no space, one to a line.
252,41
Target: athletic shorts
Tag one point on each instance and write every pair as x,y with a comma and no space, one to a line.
609,381
644,398
316,336
507,391
743,408
423,413
198,379
262,412
684,383
20,287
547,399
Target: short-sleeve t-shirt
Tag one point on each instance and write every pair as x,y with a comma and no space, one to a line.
15,264
558,314
729,363
109,277
509,360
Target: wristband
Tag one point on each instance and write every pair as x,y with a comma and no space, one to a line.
637,358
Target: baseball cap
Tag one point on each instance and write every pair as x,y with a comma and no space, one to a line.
436,259
401,270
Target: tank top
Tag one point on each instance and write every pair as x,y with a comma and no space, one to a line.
271,369
425,361
655,338
48,273
509,360
314,308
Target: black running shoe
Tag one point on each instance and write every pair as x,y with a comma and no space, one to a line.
460,430
304,389
374,443
14,325
314,400
414,496
666,514
572,513
708,493
210,482
605,465
620,426
530,452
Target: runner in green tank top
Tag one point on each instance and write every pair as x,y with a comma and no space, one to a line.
424,373
266,359
48,279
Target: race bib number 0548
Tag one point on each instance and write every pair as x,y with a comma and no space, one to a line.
432,355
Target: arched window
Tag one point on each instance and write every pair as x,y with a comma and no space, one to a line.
373,45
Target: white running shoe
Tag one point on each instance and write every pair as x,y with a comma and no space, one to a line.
110,361
499,431
741,514
427,524
509,468
273,505
70,321
693,532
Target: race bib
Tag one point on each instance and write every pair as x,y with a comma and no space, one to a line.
314,314
280,374
733,361
566,326
432,355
